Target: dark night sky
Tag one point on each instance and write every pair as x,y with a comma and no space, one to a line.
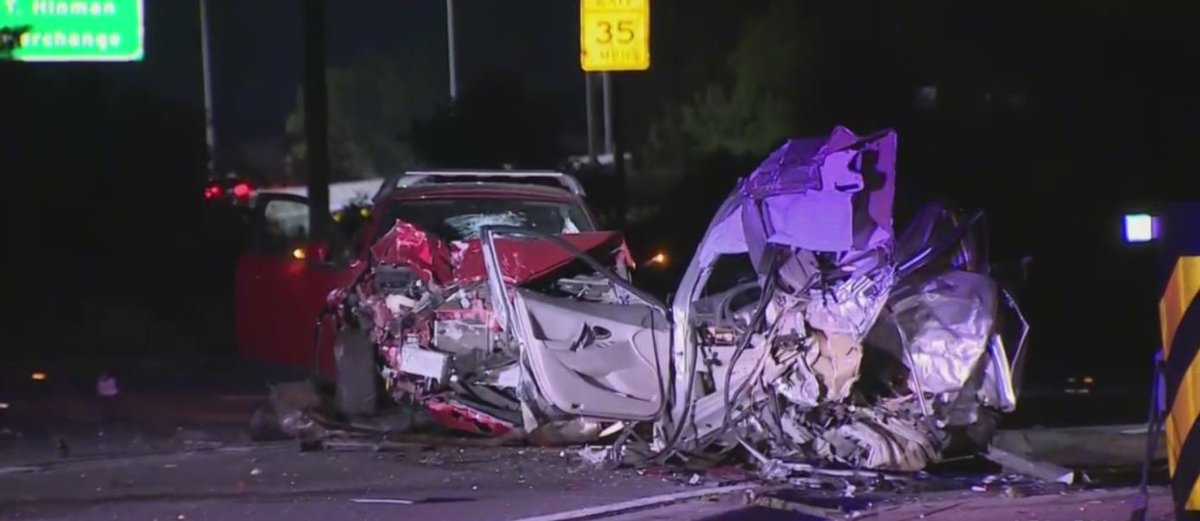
257,50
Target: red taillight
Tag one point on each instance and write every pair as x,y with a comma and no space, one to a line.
212,192
241,190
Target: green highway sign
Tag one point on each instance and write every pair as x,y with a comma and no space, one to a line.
76,30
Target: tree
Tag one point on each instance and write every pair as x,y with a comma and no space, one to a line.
752,111
372,105
495,122
739,121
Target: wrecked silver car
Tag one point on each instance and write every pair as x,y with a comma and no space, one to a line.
838,340
805,329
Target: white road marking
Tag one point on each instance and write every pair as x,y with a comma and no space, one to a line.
371,501
638,504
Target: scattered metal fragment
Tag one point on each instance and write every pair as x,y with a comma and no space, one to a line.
1041,470
596,455
776,503
368,446
106,386
373,501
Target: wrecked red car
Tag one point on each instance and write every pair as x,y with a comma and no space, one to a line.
419,253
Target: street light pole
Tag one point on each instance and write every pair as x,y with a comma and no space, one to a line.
210,133
450,49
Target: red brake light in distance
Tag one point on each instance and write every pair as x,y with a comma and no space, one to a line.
241,190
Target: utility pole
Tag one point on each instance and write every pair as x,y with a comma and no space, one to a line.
600,52
450,49
210,134
316,119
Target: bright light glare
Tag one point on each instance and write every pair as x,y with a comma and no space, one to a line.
1140,227
39,376
298,254
3,405
659,258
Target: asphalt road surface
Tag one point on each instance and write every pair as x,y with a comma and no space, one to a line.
278,482
174,447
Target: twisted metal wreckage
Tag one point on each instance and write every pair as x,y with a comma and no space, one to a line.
804,329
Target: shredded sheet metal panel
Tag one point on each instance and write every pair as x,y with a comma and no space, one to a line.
815,218
948,322
807,187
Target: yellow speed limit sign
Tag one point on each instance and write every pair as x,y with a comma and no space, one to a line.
614,35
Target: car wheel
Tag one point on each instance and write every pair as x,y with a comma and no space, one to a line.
357,391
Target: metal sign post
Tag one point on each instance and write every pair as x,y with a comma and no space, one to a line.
1179,313
614,36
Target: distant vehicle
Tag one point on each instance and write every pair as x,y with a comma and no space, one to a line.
228,189
341,195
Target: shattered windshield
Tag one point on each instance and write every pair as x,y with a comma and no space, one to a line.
461,219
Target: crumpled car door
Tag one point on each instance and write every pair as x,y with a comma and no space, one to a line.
602,360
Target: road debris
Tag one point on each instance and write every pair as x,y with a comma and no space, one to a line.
106,386
815,506
18,469
372,501
1041,470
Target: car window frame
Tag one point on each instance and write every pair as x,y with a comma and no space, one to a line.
371,230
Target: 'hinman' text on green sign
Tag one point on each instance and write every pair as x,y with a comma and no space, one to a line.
79,30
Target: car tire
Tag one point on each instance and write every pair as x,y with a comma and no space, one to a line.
357,391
